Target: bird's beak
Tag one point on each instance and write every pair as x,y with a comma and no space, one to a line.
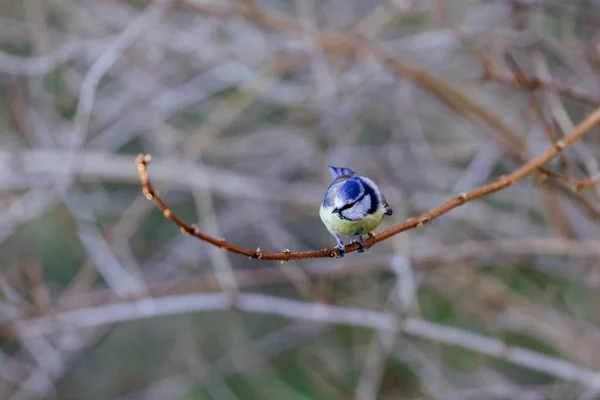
335,211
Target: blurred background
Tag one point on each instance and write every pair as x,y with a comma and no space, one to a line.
243,105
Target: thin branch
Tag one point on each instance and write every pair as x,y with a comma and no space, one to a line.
339,43
536,83
522,80
32,66
424,256
100,67
314,312
518,79
563,10
492,347
575,184
286,255
179,304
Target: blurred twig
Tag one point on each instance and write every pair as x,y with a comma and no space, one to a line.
490,71
522,80
98,70
256,303
32,66
536,84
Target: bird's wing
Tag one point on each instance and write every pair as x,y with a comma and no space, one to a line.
388,210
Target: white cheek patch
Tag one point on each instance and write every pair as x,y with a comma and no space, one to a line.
359,210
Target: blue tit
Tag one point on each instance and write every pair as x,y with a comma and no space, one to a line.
353,206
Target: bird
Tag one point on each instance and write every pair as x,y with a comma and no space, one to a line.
353,206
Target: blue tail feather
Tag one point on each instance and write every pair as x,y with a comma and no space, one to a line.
336,172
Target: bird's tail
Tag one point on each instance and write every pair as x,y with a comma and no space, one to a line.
336,172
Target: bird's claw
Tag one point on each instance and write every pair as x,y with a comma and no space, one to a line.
361,249
360,242
342,250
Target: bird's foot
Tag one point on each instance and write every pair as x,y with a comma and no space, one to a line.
361,243
342,250
340,245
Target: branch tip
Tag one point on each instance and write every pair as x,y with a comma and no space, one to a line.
143,159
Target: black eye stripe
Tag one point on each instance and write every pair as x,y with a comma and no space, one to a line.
370,191
349,205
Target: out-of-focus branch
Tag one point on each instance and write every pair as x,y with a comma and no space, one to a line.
490,72
330,314
251,277
98,70
575,184
535,103
536,83
32,66
503,182
336,43
565,10
346,45
179,304
516,355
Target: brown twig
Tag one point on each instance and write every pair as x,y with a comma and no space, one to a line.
505,181
525,83
490,72
575,184
536,83
522,81
342,44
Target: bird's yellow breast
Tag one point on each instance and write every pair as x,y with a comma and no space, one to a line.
344,227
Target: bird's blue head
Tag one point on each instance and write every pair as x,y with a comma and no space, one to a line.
349,192
352,201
